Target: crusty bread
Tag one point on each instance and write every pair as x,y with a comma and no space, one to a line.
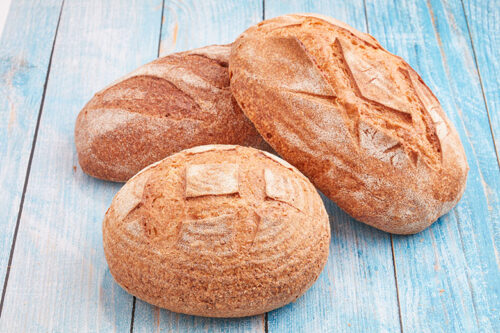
356,119
175,102
218,230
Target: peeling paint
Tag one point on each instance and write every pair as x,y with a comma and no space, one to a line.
12,115
174,38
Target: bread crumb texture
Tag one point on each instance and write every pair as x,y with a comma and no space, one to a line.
219,231
173,103
356,119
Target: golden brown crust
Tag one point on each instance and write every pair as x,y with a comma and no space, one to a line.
220,231
175,102
356,119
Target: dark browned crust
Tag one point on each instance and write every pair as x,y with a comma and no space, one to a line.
173,103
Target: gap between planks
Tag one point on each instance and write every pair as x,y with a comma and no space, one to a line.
266,317
28,169
133,314
161,27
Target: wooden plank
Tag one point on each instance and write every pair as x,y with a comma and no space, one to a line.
25,50
191,24
59,279
447,275
186,25
483,27
357,289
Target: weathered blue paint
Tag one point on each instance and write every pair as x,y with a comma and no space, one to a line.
190,24
24,61
483,23
59,280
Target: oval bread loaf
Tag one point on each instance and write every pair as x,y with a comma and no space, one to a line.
356,119
175,102
219,231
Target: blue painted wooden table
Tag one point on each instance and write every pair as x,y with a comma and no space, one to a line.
54,54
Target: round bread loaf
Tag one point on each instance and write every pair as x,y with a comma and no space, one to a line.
354,118
219,231
173,103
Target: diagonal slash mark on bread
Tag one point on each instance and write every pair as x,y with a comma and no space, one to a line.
387,106
173,103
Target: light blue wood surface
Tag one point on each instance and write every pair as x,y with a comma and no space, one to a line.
59,280
189,24
24,62
445,279
483,25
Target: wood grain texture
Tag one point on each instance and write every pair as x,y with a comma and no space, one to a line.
24,62
59,279
483,25
187,25
447,275
357,290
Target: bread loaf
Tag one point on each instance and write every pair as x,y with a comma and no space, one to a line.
175,102
354,118
218,230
